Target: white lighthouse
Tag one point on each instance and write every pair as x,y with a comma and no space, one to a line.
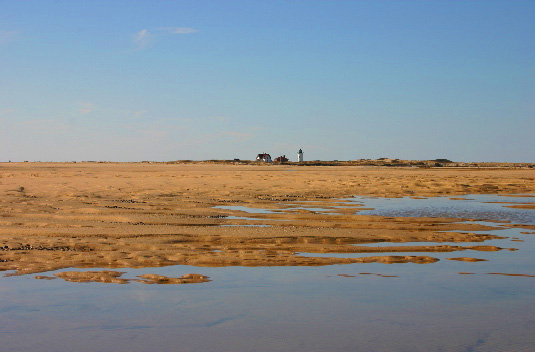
300,156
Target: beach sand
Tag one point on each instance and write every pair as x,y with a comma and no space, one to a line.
134,215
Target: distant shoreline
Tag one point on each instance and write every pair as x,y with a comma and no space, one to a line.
437,163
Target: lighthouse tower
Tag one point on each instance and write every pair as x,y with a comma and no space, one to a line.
300,156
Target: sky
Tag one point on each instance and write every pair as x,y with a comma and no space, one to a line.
171,80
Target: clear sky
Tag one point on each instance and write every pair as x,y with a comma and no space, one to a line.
169,80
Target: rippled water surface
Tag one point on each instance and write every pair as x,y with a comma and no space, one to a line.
444,306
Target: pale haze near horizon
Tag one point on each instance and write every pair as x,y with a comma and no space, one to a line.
343,80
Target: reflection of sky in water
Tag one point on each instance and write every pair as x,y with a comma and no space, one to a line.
474,206
247,209
270,211
428,307
519,261
245,225
282,308
478,206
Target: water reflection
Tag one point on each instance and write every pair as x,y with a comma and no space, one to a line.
447,306
475,206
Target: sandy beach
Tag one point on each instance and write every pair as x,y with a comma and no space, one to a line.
135,215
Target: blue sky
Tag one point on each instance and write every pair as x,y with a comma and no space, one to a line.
170,80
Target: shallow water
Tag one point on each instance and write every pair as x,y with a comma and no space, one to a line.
474,206
355,307
247,209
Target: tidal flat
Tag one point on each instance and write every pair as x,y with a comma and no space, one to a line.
202,257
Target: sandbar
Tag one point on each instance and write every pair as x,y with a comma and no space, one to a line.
133,215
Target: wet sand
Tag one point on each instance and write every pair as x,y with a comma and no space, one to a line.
135,215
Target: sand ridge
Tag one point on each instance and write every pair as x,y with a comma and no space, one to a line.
115,277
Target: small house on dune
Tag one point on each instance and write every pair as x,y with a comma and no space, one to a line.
264,157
